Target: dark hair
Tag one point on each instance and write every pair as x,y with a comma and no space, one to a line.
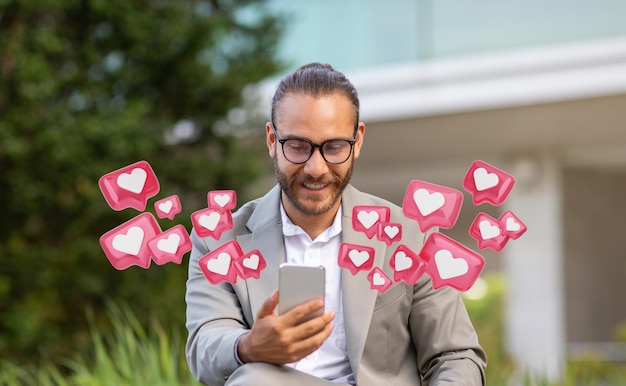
316,79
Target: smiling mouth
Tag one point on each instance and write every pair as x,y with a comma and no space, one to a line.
315,186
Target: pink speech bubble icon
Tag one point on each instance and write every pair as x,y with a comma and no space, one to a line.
366,218
488,232
250,265
378,280
487,183
218,266
389,232
407,265
512,226
450,263
211,222
130,186
223,200
168,207
432,205
170,246
126,244
355,257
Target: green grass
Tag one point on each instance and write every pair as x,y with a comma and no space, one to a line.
130,356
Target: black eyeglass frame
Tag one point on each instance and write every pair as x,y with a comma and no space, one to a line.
315,145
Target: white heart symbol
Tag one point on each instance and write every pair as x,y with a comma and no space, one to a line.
426,202
449,266
129,243
391,231
358,257
488,231
403,261
169,245
166,206
484,180
367,218
512,225
221,265
209,221
222,199
251,262
378,279
133,181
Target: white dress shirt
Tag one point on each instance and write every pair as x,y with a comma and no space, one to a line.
330,361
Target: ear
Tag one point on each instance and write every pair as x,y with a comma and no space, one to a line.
360,133
270,140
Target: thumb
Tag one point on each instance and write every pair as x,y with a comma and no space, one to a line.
268,306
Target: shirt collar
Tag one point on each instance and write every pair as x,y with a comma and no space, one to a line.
291,229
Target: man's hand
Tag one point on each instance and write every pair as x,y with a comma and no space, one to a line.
279,339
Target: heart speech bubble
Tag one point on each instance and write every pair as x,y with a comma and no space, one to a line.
432,205
487,183
130,186
168,207
211,222
366,218
126,244
355,258
488,232
217,265
378,280
450,263
170,246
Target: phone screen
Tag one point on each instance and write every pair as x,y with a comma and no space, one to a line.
299,284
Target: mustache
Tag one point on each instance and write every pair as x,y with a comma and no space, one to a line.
305,179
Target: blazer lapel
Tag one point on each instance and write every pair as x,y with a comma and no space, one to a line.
266,236
358,297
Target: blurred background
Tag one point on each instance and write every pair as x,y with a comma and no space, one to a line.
535,88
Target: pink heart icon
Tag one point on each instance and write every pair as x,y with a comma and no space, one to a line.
407,265
379,281
170,246
126,244
223,200
366,218
389,232
450,263
250,265
355,257
487,183
168,207
130,186
211,222
488,232
512,226
218,266
432,205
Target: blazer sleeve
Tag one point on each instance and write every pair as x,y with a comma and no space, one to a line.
448,352
215,321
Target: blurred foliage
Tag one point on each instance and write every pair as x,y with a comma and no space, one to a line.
130,354
87,87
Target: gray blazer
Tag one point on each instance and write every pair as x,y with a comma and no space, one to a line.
408,335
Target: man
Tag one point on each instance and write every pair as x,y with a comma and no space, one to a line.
407,335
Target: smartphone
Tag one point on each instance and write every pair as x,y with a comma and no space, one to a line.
298,284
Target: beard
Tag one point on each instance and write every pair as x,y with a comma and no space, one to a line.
313,204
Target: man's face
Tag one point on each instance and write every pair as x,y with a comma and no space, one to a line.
313,187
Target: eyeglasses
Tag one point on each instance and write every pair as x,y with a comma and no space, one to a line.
298,151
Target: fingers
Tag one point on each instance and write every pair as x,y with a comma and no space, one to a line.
295,315
268,306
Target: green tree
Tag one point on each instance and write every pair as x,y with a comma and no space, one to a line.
87,87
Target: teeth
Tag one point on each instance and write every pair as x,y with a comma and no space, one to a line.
315,186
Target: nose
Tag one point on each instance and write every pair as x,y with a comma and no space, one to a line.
316,166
